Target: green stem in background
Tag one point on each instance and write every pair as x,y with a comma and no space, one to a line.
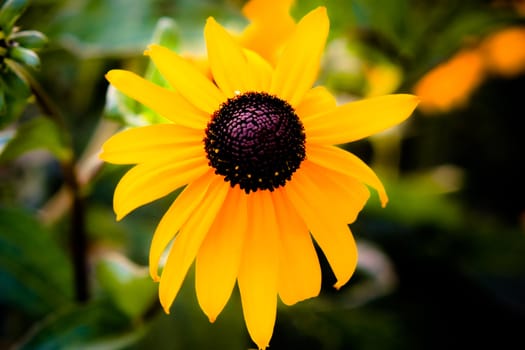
77,228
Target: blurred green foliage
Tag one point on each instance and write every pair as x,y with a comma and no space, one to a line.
446,267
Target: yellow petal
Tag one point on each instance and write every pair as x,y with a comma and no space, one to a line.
166,103
299,269
315,101
184,77
186,244
271,26
261,70
344,194
147,182
333,236
356,120
259,269
219,256
145,144
228,62
298,65
335,158
178,213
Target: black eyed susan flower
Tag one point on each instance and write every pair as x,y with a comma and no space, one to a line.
254,146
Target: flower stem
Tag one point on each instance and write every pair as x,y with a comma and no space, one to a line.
78,235
77,227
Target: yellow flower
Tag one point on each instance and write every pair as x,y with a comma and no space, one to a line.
270,26
255,149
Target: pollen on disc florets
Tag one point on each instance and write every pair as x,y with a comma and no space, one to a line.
255,140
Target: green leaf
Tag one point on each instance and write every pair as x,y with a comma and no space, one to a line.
14,106
107,27
31,39
11,10
128,111
3,107
35,275
166,34
38,133
24,56
16,91
128,286
92,326
122,109
419,199
14,84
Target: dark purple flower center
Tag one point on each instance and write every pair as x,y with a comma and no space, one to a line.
255,140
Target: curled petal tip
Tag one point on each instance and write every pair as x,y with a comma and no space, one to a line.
384,201
165,306
338,285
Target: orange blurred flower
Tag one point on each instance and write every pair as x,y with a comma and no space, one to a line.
504,51
449,84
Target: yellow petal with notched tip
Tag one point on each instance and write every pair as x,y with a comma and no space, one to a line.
299,269
356,120
259,269
178,213
220,254
344,194
333,236
335,158
186,244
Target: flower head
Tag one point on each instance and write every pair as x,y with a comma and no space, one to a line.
254,147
